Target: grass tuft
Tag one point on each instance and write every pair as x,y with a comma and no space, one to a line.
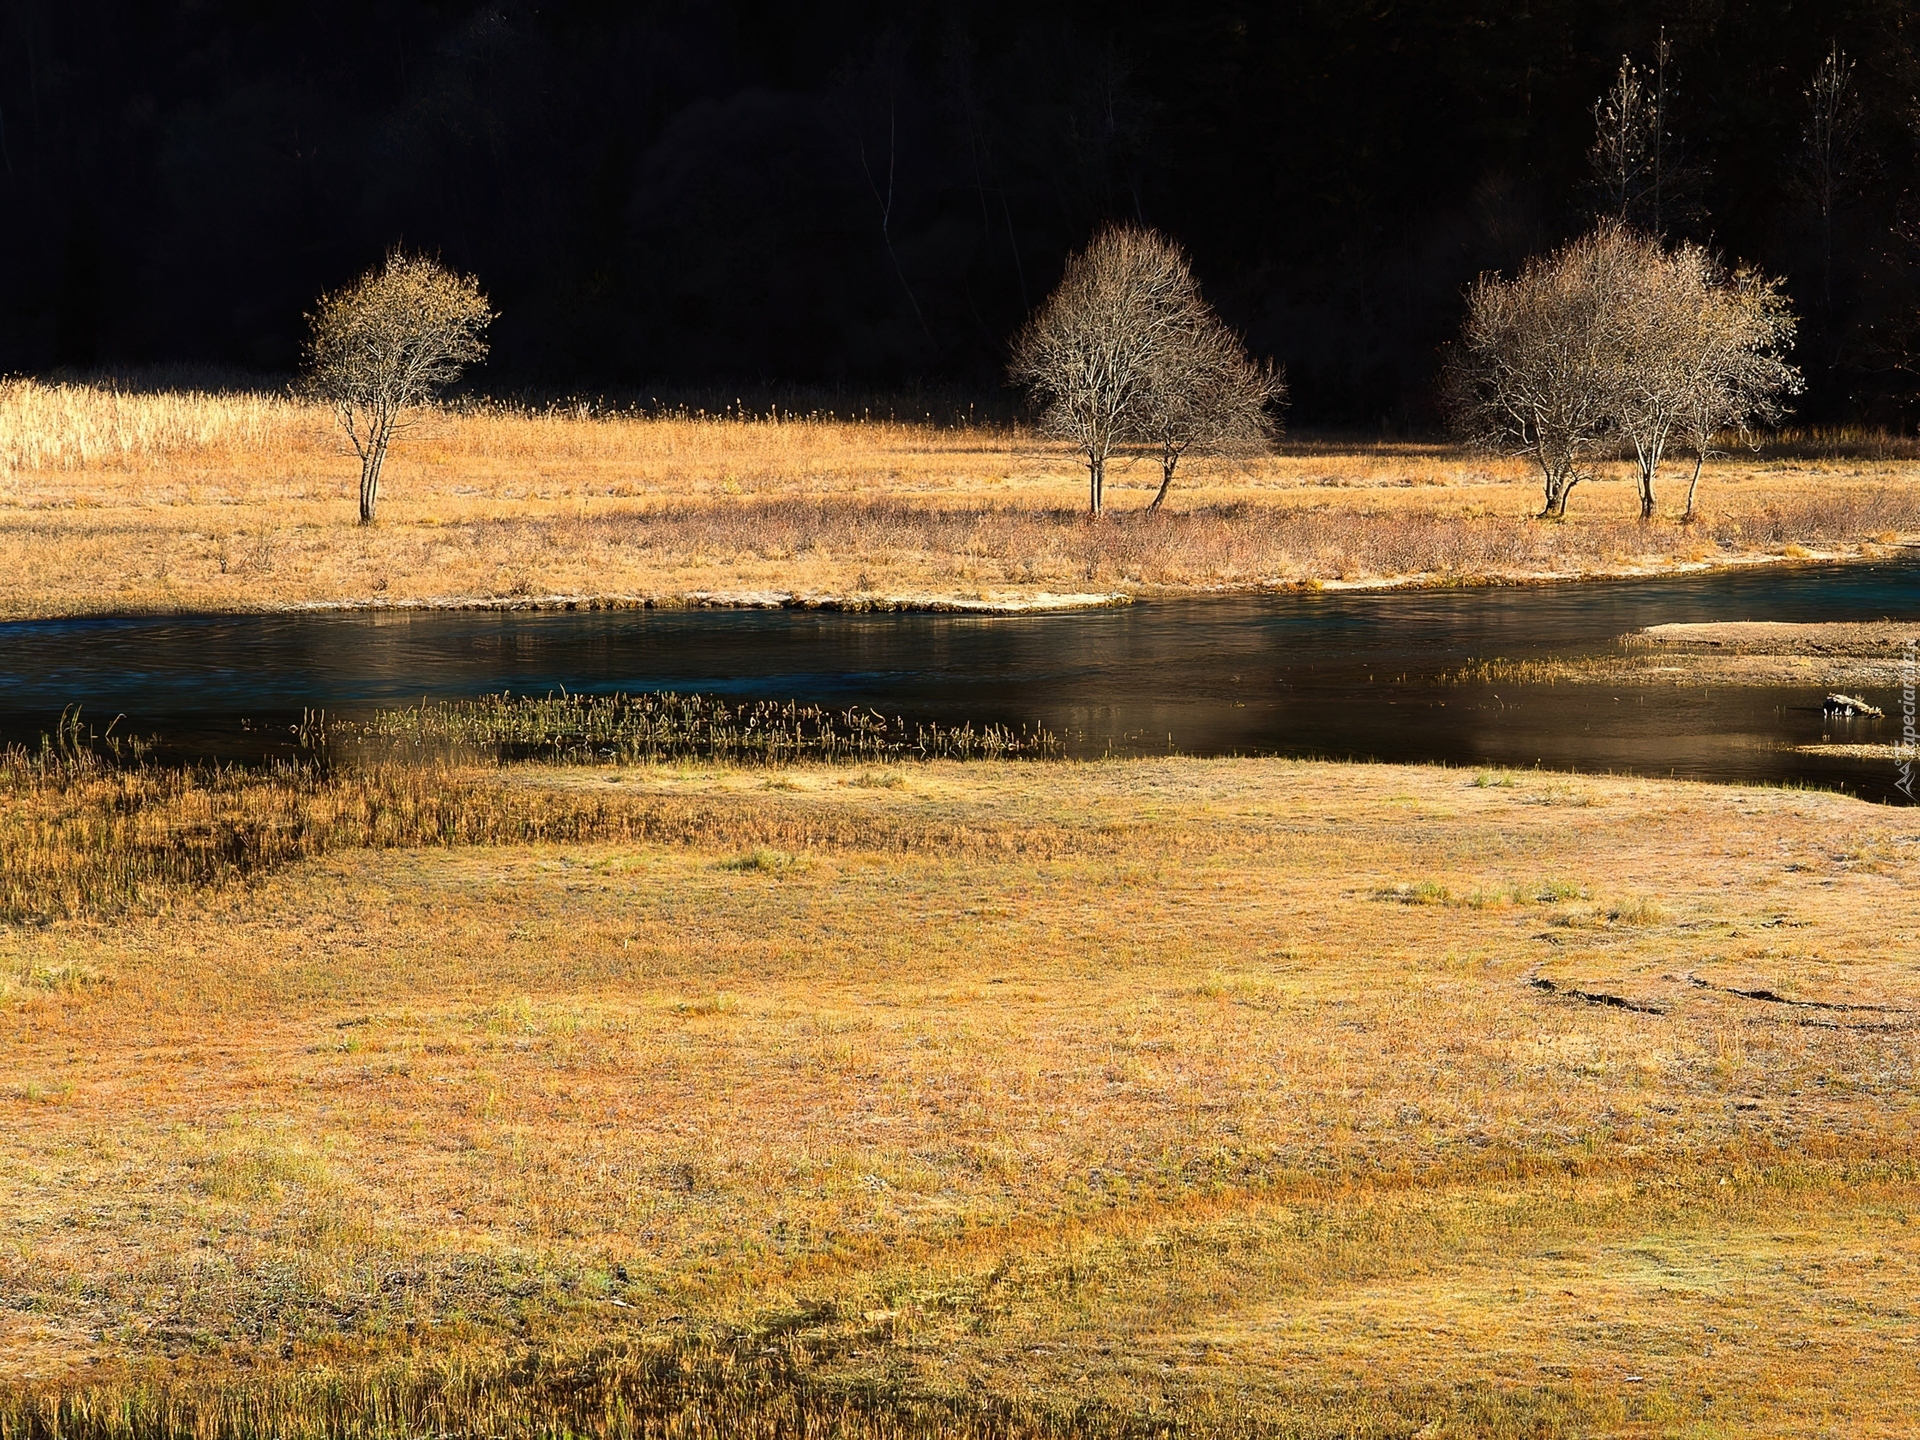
762,861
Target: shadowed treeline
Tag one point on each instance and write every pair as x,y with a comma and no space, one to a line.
840,194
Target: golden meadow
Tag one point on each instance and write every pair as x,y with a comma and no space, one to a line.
694,1095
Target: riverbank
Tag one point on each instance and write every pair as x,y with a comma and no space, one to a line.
244,505
975,1098
1878,639
1042,602
853,556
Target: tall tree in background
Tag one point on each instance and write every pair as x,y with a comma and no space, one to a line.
1662,116
1622,156
1829,150
1640,170
1894,337
392,340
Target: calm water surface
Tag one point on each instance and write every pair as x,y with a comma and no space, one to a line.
1339,674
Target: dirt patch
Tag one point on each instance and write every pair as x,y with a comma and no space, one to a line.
1873,639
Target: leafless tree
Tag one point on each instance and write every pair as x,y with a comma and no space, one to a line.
1702,352
1642,173
1665,328
1894,339
1828,148
1624,157
388,342
1740,375
1207,396
1090,354
1660,116
1614,337
1536,371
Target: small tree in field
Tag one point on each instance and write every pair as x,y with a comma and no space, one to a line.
1089,354
1703,353
1537,369
1740,374
390,341
1665,328
1206,396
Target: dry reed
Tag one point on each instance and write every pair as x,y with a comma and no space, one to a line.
625,729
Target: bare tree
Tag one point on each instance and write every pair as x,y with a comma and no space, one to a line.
388,342
1702,352
1536,371
1207,396
1641,171
1659,116
1665,328
1089,354
1828,147
1613,337
1740,375
1624,156
1894,341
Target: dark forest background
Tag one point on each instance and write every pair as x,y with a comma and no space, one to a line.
865,195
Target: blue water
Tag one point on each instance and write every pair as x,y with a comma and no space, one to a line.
1341,674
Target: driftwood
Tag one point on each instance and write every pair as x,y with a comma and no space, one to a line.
1850,705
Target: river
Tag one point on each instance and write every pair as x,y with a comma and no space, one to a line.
1340,674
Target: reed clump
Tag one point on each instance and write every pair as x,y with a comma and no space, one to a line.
67,427
753,1387
625,729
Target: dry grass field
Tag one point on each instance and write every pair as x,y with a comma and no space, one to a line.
981,1099
141,502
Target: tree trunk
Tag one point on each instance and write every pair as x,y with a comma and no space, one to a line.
1649,469
1096,478
1169,457
370,481
1698,461
1558,488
